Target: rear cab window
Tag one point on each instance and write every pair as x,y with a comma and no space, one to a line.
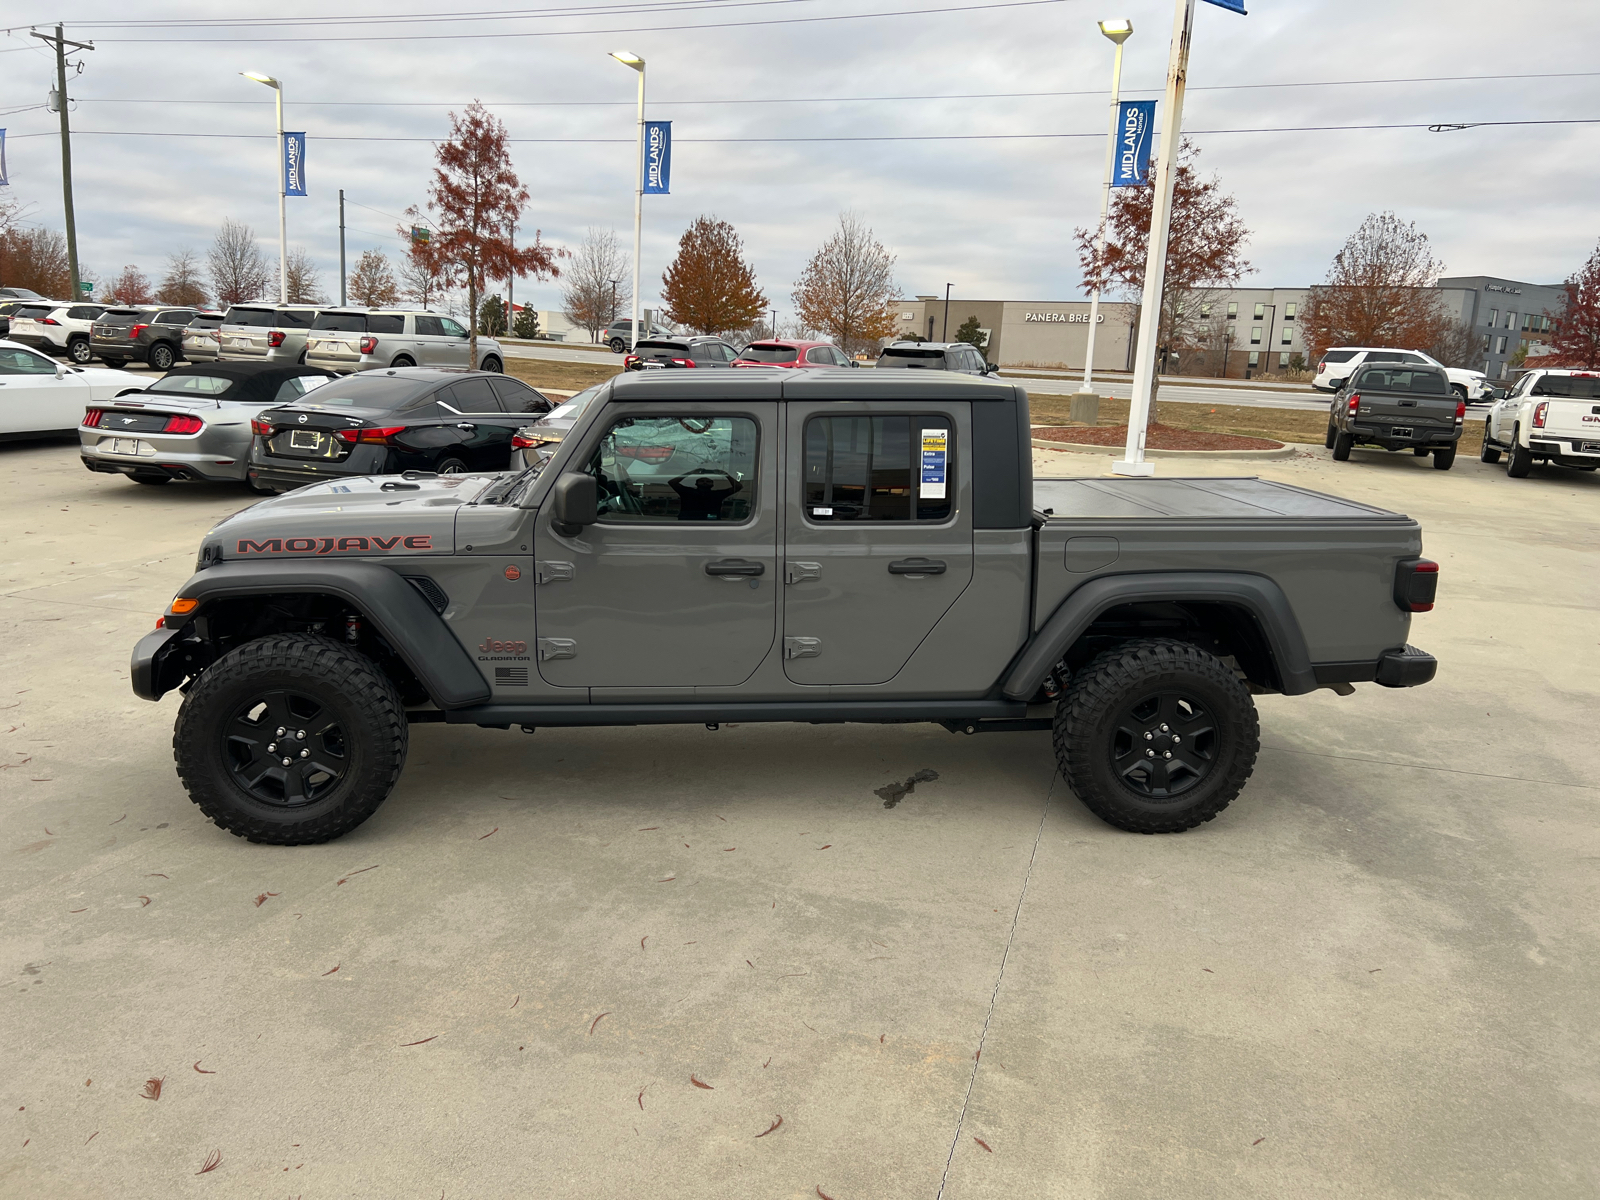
1422,382
878,468
1568,387
682,467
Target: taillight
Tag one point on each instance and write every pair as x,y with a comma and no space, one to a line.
1461,409
1540,411
1322,368
1355,402
183,424
49,321
383,435
683,362
629,361
518,442
91,419
275,337
260,428
135,330
369,345
1416,583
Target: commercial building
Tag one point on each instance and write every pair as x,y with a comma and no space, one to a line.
1032,333
1505,313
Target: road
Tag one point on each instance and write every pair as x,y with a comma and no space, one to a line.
1172,388
601,962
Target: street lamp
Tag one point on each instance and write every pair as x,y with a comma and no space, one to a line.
944,332
283,185
1118,31
629,59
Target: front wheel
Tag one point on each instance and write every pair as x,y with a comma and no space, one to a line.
291,739
493,365
1490,452
160,357
1341,447
1332,433
1461,392
1156,736
1443,460
80,352
1520,459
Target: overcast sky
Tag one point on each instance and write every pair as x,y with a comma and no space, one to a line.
993,217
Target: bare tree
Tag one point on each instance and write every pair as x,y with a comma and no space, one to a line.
372,283
304,279
1379,291
599,286
848,287
238,272
183,282
1458,344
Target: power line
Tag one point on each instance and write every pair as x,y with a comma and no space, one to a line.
596,10
549,33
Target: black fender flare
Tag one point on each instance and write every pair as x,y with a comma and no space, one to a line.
384,598
1262,598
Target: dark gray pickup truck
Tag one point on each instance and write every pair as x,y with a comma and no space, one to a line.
1398,407
776,546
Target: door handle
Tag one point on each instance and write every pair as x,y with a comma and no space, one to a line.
467,425
735,566
917,566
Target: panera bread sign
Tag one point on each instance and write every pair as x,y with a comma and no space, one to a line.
1058,318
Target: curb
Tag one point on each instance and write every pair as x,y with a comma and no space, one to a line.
1286,451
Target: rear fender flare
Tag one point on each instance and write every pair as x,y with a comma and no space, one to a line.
386,600
1262,598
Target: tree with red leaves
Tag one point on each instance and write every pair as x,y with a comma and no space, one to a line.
710,286
478,198
130,287
1575,330
1379,291
1205,249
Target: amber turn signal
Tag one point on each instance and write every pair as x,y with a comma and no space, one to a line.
184,605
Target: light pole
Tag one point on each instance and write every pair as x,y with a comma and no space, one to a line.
944,331
612,318
774,324
1118,31
283,187
628,59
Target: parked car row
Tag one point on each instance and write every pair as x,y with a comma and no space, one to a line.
280,425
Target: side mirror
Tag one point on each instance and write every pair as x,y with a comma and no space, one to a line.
854,363
61,371
990,368
574,503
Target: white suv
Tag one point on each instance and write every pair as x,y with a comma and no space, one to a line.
56,328
347,340
1340,362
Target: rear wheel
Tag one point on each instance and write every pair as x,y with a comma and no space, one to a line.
1443,460
451,466
618,345
1460,389
1519,460
1341,447
160,357
1156,736
291,739
79,351
403,360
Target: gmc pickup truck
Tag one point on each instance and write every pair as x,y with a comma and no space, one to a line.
1397,408
708,547
1550,416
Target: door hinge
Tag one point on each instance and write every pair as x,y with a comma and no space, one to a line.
798,572
550,648
549,572
802,647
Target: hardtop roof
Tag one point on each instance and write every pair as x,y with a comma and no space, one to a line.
776,383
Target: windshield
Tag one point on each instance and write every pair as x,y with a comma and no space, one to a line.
190,385
769,354
340,322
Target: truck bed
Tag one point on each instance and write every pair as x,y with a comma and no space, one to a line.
1333,558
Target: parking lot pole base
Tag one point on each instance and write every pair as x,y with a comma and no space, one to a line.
1124,467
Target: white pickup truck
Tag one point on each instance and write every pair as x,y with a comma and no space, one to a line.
1551,415
1338,364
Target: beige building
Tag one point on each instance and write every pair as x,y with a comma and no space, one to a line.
1042,333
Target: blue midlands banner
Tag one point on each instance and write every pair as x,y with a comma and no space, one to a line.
294,164
1231,5
1135,124
3,179
657,157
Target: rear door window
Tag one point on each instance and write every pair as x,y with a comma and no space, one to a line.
174,316
84,312
688,467
888,468
1338,356
518,397
471,396
429,327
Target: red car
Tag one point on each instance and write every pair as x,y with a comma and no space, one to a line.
782,352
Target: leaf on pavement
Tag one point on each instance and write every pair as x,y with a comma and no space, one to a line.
213,1161
701,1084
152,1089
771,1127
597,1021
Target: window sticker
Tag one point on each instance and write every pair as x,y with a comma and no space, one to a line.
935,451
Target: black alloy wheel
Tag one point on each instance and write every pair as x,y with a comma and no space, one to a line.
618,345
160,357
1164,743
493,365
286,748
79,351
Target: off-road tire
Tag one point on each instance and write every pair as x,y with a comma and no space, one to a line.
1519,459
80,352
1341,447
1332,433
1443,460
494,366
1092,720
160,357
1490,452
356,697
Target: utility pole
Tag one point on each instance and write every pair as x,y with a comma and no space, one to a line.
342,300
944,332
511,289
60,43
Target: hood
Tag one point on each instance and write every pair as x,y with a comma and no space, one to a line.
372,516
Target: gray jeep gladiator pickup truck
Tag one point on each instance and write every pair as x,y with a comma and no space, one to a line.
775,546
1398,407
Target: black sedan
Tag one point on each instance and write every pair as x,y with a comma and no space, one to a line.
383,422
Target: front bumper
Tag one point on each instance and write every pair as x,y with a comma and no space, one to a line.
148,670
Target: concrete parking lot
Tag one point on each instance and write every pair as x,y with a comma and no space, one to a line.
606,962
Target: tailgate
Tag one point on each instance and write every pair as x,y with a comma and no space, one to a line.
1400,408
1569,419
